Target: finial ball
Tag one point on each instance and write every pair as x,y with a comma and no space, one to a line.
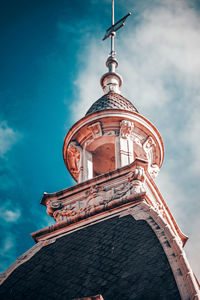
113,34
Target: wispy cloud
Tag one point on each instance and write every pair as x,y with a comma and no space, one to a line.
160,64
8,137
7,251
9,214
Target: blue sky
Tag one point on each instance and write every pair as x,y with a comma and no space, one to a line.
52,57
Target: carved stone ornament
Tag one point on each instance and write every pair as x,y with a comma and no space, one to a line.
159,208
137,174
148,144
55,204
126,129
96,129
153,170
74,158
110,133
137,141
99,198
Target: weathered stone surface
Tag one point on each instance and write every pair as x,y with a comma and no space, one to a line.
119,258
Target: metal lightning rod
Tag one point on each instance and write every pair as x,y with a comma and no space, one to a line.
111,31
113,34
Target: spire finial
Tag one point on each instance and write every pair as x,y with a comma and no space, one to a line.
112,52
111,81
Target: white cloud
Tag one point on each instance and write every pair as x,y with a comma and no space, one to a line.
8,244
172,193
9,214
87,84
191,136
7,251
160,64
8,137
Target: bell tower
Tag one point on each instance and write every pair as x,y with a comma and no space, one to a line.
114,236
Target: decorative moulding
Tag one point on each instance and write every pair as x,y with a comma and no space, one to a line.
126,129
96,129
104,195
172,245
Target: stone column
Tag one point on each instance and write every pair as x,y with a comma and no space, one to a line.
87,165
126,142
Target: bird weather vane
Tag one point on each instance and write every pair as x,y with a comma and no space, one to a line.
111,31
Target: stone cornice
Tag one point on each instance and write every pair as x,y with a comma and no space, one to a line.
97,180
96,199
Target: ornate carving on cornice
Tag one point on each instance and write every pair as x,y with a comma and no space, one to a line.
74,158
126,129
53,205
149,147
99,198
153,170
96,129
148,144
159,208
137,174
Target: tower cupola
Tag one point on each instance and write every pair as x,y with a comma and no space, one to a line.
112,134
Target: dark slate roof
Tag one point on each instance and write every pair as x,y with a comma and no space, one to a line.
119,258
111,101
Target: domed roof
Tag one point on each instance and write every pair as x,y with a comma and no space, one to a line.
111,101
